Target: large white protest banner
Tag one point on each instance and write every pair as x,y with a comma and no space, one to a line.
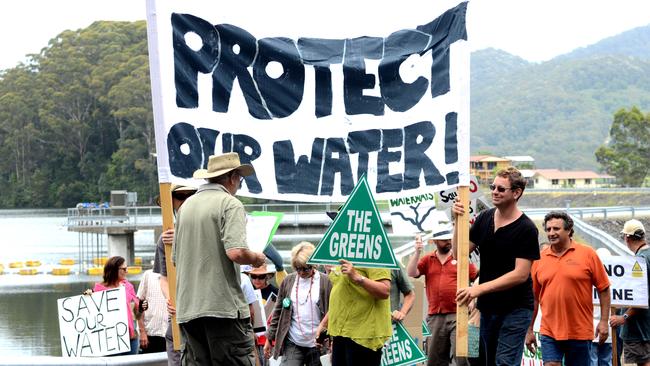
94,325
628,281
313,96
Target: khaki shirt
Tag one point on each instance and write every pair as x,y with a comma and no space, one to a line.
207,281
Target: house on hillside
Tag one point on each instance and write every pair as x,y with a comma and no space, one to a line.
521,161
554,178
484,166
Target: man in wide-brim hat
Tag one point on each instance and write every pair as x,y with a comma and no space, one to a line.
209,246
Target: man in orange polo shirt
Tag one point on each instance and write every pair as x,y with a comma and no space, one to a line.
563,279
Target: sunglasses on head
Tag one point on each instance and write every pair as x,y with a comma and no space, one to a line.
258,277
500,189
304,269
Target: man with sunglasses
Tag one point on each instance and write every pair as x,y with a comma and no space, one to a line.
508,243
635,322
209,246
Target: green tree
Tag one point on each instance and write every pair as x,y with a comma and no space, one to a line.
627,153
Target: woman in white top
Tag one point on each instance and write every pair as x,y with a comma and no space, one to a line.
302,303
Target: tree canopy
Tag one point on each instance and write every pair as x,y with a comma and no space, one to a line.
76,121
627,153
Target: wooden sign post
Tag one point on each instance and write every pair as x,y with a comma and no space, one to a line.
168,223
461,231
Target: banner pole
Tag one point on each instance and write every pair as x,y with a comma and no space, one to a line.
168,223
461,232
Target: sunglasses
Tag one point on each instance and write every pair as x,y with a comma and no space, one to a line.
124,269
304,269
258,277
500,189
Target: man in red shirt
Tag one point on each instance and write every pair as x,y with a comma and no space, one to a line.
563,279
439,270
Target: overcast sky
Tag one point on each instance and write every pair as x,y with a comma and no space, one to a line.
536,30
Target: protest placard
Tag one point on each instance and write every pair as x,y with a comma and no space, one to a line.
260,228
401,349
311,105
628,281
357,234
94,325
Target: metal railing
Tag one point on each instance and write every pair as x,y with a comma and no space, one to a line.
115,216
598,238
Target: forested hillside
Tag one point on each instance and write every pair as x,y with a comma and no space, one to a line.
76,121
558,111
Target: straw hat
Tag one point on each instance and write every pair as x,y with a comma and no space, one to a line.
176,188
221,164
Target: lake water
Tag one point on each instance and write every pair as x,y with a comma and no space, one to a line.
28,308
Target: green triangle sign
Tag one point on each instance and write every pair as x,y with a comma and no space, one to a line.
401,349
357,234
425,329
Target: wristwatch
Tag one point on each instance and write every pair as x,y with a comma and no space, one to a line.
625,316
360,281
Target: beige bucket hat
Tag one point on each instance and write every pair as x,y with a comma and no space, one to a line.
222,164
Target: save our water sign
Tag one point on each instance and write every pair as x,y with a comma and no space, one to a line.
357,234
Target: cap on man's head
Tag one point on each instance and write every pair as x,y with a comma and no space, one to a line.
221,164
633,227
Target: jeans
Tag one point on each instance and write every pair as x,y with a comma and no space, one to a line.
503,336
572,352
601,354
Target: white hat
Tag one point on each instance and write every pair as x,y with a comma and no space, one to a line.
443,233
632,227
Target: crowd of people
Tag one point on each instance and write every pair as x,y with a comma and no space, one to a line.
346,311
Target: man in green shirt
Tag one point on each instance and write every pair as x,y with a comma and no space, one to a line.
209,246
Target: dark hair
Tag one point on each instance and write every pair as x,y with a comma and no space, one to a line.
517,181
568,221
112,270
637,235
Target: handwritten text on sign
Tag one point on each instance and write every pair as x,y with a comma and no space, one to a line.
312,109
94,325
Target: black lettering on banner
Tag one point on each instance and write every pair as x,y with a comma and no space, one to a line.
355,78
208,138
322,53
297,177
387,182
332,166
454,21
182,164
398,95
238,48
228,51
415,159
363,143
282,95
239,145
615,270
188,62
